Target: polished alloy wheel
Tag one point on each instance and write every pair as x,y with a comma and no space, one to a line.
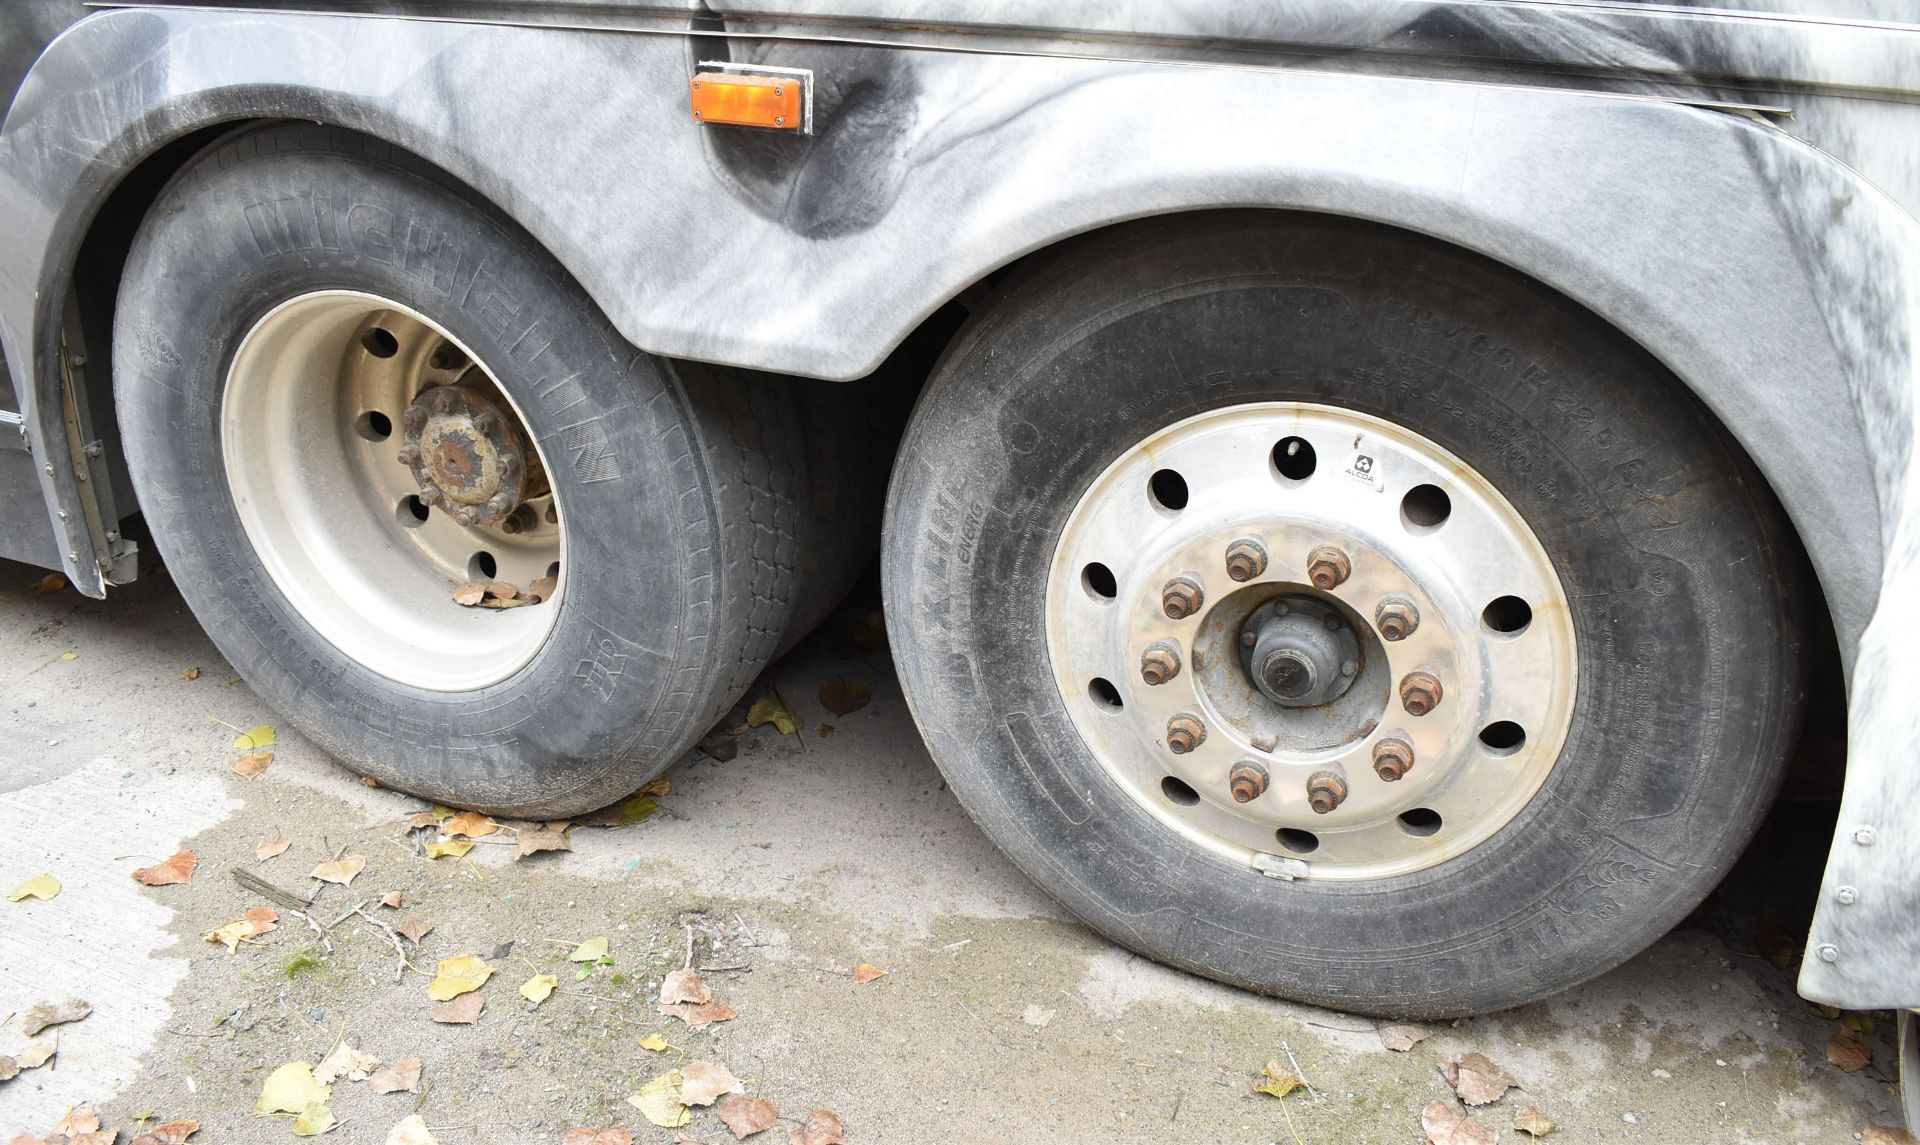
1312,641
376,465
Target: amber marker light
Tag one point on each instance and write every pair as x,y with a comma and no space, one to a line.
747,100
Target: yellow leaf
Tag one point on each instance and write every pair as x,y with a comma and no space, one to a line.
539,988
655,1042
314,1120
590,950
254,738
441,848
291,1089
659,1099
769,710
231,934
37,887
69,655
1277,1080
457,975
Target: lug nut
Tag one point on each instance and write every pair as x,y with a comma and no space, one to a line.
1396,618
441,400
415,419
1184,733
1325,791
1181,598
429,494
1328,568
409,454
1392,758
1246,559
1160,663
1247,781
1420,693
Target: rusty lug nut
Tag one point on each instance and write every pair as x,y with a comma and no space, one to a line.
1420,693
467,515
409,455
429,494
1396,618
1328,567
1160,663
415,419
500,505
1184,733
1392,758
441,400
485,421
1247,781
1181,598
1325,791
1246,559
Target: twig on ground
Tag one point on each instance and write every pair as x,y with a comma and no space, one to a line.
317,928
400,951
260,886
1296,1072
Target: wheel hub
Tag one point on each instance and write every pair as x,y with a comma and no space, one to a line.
464,454
1299,652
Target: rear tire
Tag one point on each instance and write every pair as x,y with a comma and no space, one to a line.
1674,561
677,488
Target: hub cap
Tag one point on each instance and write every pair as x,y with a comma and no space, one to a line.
1321,597
376,465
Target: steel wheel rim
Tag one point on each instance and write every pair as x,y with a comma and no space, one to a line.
323,495
1354,499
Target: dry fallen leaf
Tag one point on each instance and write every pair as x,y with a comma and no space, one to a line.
472,824
1277,1080
864,973
429,817
190,674
411,1131
702,1082
268,848
37,887
543,588
659,1100
414,930
684,986
393,899
342,870
592,950
290,1089
462,1011
824,731
1885,1135
1036,1016
1848,1050
596,1136
699,1017
822,1128
1477,1080
842,696
251,764
37,1052
169,1133
77,1119
627,812
469,594
314,1120
257,921
655,1042
178,869
1400,1039
1532,1122
539,988
747,1115
53,1014
347,1062
769,710
254,738
1448,1124
52,582
458,975
532,838
401,1076
720,747
448,848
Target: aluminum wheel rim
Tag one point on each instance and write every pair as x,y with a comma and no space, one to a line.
1468,780
325,500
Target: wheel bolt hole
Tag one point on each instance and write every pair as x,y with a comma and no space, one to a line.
1420,821
1503,737
380,342
1425,508
412,511
1098,580
482,566
373,426
1298,841
1177,791
1100,689
1294,460
1168,490
553,570
1507,615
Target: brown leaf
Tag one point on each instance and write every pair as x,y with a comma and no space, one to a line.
178,869
824,731
842,696
597,1136
462,1011
684,986
340,871
702,1082
502,590
169,1133
1885,1135
822,1128
1448,1124
1477,1080
52,582
401,1076
97,1137
9,1069
428,818
1400,1039
657,786
268,848
699,1017
472,824
469,594
1848,1050
36,1052
369,781
1532,1122
864,973
393,899
53,1014
190,674
720,747
532,838
747,1115
251,764
414,930
78,1119
543,588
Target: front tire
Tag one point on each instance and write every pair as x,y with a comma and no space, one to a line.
1663,696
